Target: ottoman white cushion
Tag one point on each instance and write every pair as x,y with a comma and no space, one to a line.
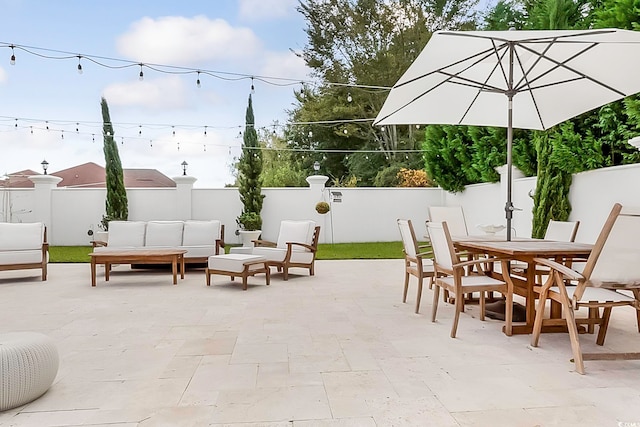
234,263
28,366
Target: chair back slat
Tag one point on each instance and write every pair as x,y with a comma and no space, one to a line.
453,216
618,262
562,231
408,237
443,251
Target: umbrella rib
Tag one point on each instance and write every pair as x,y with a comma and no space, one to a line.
487,53
563,64
530,40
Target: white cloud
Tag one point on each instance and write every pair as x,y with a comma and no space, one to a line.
279,64
156,94
257,10
186,41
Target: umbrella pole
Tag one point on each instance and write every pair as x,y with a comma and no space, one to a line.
508,208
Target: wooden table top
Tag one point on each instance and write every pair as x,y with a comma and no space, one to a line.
138,252
541,248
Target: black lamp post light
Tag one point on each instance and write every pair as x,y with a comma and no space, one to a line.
184,167
45,166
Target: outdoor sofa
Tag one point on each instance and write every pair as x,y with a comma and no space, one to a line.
200,239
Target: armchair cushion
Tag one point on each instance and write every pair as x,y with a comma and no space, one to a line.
295,231
22,236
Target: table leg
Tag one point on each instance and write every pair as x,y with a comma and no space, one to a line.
182,266
531,295
174,269
107,270
93,271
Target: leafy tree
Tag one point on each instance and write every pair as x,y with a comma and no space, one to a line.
116,205
280,168
250,168
367,43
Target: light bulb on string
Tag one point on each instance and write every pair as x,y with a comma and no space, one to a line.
205,147
173,131
93,137
345,131
205,131
16,125
61,134
12,60
47,125
253,88
140,130
77,127
198,80
178,146
349,98
122,141
79,65
151,143
31,127
310,134
141,75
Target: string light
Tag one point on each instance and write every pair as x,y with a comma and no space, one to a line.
141,75
12,60
205,131
349,98
253,88
79,64
198,80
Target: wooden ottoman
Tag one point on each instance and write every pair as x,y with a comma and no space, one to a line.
28,366
240,265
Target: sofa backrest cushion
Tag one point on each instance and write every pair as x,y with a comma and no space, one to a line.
21,236
164,233
198,233
295,231
126,233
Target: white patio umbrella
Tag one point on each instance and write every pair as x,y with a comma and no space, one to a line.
514,79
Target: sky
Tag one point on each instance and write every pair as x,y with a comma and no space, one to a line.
49,111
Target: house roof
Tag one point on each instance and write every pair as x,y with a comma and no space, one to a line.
92,175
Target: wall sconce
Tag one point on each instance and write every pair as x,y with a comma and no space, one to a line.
184,167
316,166
45,166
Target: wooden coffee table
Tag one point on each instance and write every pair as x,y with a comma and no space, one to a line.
138,256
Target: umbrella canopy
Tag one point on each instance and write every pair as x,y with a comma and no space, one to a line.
514,79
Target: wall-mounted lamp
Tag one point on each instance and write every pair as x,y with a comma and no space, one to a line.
316,166
45,166
184,167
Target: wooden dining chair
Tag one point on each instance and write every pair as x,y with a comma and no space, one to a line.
612,266
454,276
417,259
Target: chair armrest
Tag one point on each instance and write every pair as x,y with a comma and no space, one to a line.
476,261
562,269
264,243
98,243
304,245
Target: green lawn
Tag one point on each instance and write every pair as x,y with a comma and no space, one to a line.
369,250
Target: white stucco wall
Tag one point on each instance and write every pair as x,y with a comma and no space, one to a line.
364,214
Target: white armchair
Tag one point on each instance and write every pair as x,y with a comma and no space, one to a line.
24,246
296,247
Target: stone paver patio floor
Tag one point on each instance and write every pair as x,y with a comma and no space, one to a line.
337,349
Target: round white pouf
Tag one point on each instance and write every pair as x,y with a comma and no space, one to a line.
28,366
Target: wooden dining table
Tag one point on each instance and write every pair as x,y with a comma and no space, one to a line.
525,250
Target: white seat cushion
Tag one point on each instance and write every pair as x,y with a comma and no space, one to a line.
234,263
164,234
596,294
271,254
21,257
203,251
126,233
473,281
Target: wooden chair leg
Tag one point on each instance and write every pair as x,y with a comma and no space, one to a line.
434,308
406,286
594,314
456,317
482,305
208,276
604,325
573,336
636,293
419,296
537,324
508,314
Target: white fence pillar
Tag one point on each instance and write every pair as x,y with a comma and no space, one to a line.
317,187
184,186
44,184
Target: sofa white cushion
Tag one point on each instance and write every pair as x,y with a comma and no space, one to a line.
21,257
295,231
203,251
21,236
126,233
197,233
166,234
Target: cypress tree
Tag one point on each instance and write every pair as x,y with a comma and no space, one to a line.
250,168
116,206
